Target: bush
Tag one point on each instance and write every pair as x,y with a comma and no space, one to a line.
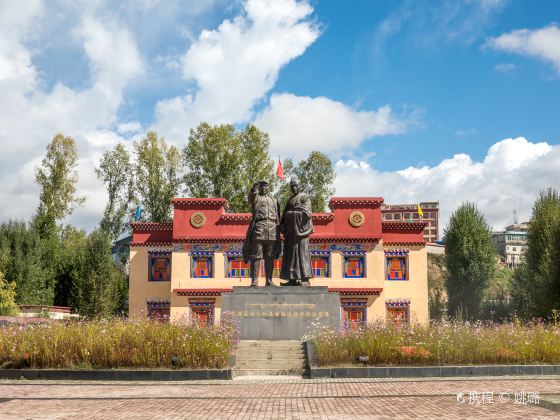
441,344
117,343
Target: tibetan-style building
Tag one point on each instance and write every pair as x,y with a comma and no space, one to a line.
181,269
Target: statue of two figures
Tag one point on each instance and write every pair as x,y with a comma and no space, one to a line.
263,236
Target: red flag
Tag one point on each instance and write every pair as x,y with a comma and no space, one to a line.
280,170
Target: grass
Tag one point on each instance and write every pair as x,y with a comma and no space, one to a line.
116,343
455,343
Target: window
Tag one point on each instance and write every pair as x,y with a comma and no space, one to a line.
388,216
202,311
160,267
159,310
396,268
398,310
407,216
201,267
397,216
277,267
398,315
354,266
354,313
236,267
320,266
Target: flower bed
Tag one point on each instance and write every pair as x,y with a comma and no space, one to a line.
441,344
115,343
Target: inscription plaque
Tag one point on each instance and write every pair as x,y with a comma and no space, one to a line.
286,313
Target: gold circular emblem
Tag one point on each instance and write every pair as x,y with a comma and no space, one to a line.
198,219
357,218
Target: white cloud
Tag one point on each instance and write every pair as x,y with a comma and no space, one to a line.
509,177
543,43
31,113
234,66
300,124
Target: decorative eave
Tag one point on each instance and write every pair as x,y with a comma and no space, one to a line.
418,243
322,217
367,239
235,217
209,202
152,244
208,239
151,226
345,291
349,202
403,226
201,292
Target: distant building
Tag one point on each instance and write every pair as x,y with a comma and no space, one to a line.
407,212
121,252
511,243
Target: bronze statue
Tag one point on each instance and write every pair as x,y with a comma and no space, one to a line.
296,225
263,236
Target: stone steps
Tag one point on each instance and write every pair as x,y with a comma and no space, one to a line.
263,357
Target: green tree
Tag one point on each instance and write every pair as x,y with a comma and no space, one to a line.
470,260
22,260
535,283
70,268
223,162
57,177
102,283
7,297
116,171
316,175
158,176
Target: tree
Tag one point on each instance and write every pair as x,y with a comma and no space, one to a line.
23,261
470,260
223,162
535,283
316,175
70,268
57,177
158,176
116,172
7,297
102,283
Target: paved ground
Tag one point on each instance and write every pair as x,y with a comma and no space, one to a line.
294,398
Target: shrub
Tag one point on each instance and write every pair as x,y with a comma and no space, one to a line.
441,344
116,343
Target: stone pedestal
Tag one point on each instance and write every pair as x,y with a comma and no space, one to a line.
281,313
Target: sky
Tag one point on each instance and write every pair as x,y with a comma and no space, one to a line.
448,100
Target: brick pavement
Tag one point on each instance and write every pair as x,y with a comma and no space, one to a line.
276,398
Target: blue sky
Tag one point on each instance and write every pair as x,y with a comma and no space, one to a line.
413,100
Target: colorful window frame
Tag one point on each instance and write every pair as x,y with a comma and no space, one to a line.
354,266
236,267
202,265
158,310
202,311
353,313
321,265
160,267
396,264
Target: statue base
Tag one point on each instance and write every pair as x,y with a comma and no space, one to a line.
281,313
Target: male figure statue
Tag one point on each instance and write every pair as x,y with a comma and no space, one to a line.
296,226
263,236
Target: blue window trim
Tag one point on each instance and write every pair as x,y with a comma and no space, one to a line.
152,257
347,255
229,257
206,255
325,255
389,256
